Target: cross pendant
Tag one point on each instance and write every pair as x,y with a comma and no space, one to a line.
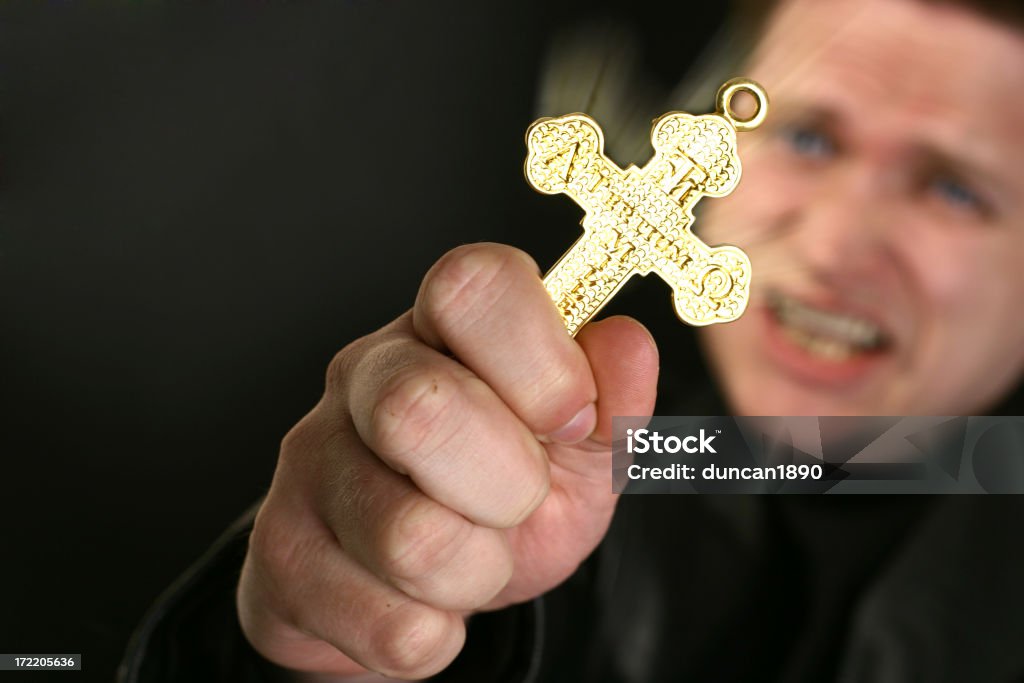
638,220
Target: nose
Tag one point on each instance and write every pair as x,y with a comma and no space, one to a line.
840,232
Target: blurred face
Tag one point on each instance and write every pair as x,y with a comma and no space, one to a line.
882,206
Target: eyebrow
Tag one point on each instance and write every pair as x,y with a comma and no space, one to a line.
798,111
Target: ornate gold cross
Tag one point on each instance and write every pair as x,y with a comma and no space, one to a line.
638,220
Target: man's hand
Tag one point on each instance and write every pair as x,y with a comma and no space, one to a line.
458,461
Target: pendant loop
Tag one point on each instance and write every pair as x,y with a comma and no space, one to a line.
723,103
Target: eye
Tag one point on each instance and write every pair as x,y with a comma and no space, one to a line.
808,142
956,194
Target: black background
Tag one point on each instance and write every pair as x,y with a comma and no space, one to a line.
199,205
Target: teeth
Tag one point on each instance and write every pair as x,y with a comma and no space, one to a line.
833,336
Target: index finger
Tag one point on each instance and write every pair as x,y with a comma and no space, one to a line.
487,305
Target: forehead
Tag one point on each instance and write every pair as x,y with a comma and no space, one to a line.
943,69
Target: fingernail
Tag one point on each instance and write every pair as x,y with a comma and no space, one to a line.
578,428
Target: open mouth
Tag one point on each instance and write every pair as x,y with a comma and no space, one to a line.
823,345
828,335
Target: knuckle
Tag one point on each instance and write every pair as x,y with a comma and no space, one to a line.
284,541
300,439
464,281
339,369
343,364
303,449
422,537
408,641
272,543
412,406
285,555
267,605
357,496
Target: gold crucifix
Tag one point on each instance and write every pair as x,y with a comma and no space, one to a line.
638,220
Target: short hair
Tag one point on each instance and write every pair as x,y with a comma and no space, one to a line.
744,28
1005,11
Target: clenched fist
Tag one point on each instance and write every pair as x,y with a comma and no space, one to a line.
458,461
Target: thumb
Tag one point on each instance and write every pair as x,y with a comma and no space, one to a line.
624,360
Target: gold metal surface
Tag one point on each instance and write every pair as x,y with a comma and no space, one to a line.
638,220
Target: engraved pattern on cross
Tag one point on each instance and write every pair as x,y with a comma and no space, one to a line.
638,220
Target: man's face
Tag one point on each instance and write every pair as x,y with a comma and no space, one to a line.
882,206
